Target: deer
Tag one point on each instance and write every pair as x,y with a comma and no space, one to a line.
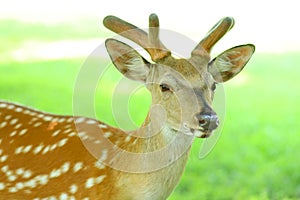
48,156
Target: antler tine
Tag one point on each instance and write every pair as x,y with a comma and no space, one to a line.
213,36
153,29
126,29
159,50
150,43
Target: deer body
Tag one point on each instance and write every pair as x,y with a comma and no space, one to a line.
45,156
47,159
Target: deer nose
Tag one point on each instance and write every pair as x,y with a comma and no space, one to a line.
208,121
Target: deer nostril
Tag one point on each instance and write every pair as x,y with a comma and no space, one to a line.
202,122
208,121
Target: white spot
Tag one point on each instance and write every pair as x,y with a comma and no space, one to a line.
3,105
3,124
12,178
99,165
2,185
89,183
37,124
18,126
128,138
12,190
97,141
35,118
102,125
68,126
69,120
19,109
7,117
65,167
40,115
48,118
26,112
3,158
22,132
13,133
19,150
43,179
55,133
62,142
10,106
32,113
134,141
55,119
52,147
4,169
19,185
103,155
99,179
9,173
46,149
93,181
20,171
51,198
38,149
90,121
55,173
27,174
78,166
27,149
73,189
83,135
107,134
63,196
79,120
72,134
68,130
61,120
31,183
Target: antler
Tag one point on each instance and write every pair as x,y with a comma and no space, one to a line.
150,43
213,36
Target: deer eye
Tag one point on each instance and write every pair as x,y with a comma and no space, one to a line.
164,87
214,86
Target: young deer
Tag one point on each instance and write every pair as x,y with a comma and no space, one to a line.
45,156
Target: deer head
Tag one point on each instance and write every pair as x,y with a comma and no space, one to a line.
184,88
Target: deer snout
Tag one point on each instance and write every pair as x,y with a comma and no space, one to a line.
208,120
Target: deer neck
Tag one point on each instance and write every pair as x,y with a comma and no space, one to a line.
156,134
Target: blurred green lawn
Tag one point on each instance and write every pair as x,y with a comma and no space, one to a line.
257,155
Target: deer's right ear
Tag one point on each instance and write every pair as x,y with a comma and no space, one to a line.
127,60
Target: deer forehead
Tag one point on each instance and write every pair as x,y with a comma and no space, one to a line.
185,72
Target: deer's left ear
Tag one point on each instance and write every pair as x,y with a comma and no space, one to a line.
230,62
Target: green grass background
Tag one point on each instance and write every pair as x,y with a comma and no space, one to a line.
257,155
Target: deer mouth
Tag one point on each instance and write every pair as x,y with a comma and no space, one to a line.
198,132
201,133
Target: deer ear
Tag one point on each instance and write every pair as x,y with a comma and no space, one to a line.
230,62
127,60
